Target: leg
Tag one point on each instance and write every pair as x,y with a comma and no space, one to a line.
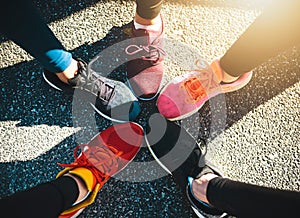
45,200
78,183
22,23
147,11
245,200
275,30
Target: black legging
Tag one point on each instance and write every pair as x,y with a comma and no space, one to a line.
245,200
275,30
46,200
148,9
21,22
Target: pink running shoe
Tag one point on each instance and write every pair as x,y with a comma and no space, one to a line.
186,94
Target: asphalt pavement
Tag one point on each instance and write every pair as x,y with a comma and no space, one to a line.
252,134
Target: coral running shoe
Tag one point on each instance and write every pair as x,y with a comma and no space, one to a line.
185,95
105,155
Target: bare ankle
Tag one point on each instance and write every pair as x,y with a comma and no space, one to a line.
81,187
68,73
228,78
200,186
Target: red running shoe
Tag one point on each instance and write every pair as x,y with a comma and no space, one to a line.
105,155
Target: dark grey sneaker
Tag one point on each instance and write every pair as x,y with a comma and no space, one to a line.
110,98
177,152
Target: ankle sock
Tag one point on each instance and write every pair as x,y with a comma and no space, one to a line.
155,27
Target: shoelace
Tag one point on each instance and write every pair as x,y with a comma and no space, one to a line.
92,82
154,51
102,161
199,85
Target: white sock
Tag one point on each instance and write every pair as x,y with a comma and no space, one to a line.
153,27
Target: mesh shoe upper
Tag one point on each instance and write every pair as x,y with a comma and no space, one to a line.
104,156
145,66
110,98
186,94
178,153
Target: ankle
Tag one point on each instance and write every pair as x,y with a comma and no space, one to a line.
200,185
222,75
228,78
82,189
68,73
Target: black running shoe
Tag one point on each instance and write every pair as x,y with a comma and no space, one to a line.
177,152
110,98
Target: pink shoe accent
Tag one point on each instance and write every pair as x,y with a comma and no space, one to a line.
185,95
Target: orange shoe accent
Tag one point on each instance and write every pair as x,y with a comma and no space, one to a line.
194,88
218,71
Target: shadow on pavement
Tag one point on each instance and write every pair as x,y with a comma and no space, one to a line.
270,79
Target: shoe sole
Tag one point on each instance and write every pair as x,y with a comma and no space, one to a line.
93,106
200,215
51,84
77,213
224,88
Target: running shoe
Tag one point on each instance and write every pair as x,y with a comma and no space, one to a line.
110,98
200,208
104,156
185,95
178,153
145,66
